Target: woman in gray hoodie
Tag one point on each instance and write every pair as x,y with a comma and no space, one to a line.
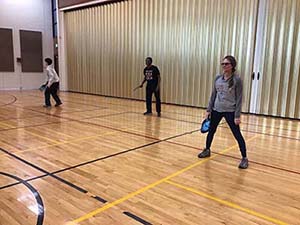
226,101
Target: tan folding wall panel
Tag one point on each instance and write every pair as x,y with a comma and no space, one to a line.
279,85
107,45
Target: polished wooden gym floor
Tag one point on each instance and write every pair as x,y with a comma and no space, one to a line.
99,160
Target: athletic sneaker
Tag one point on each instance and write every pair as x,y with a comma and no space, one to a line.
205,153
243,163
158,114
58,104
147,113
47,106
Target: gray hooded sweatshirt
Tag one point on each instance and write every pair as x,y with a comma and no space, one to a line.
225,99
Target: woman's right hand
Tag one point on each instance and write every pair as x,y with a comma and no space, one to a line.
207,114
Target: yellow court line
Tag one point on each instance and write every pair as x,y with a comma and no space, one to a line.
7,125
63,134
31,127
34,134
40,136
67,142
118,201
227,203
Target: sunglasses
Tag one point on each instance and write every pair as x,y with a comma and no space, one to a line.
225,64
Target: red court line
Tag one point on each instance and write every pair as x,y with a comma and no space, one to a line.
65,113
234,157
262,164
188,114
60,122
200,108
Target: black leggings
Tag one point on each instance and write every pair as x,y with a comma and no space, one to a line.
235,129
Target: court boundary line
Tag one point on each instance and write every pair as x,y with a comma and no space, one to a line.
150,186
93,160
40,169
10,103
226,127
133,133
161,117
226,203
36,195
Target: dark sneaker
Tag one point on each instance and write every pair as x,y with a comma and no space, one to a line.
158,114
46,106
205,153
147,113
58,104
243,163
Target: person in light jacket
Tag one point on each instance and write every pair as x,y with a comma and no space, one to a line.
52,83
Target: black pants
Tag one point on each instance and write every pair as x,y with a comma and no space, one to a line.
150,89
53,91
235,129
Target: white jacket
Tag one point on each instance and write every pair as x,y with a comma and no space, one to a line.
52,76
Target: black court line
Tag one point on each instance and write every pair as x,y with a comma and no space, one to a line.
69,183
122,152
147,137
166,139
27,180
47,173
35,193
138,219
10,103
140,147
143,147
87,162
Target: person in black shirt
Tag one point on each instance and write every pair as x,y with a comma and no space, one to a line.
152,76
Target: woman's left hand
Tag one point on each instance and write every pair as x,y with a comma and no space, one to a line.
237,121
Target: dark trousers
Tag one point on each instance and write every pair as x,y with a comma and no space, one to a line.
150,89
235,129
53,91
